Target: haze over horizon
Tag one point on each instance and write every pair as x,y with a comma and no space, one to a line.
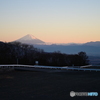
56,21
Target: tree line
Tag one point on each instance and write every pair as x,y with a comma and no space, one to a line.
18,53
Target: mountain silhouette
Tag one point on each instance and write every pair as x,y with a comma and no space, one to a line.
91,48
30,39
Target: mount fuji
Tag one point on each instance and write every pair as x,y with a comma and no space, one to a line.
30,39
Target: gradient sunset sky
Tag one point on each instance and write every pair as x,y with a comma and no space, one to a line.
57,21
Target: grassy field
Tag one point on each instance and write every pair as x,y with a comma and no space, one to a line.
25,85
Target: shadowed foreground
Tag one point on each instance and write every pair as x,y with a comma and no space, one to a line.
25,85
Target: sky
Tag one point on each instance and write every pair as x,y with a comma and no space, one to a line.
56,21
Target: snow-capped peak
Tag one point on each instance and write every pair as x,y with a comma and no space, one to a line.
31,36
28,37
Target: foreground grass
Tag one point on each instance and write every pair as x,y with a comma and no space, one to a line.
25,85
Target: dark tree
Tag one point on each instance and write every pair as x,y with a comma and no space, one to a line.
83,58
16,52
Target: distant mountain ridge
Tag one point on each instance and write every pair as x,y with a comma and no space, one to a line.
70,49
91,48
96,43
30,39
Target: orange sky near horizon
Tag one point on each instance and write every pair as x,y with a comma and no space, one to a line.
55,21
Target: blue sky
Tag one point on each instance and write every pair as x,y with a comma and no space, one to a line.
58,21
